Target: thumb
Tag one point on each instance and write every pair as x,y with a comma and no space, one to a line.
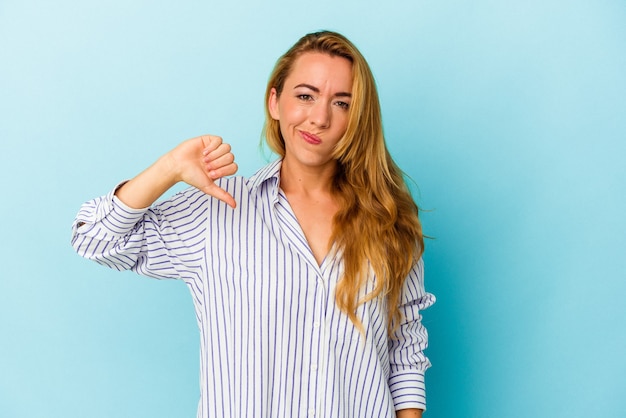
221,194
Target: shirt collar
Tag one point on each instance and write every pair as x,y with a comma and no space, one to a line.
268,172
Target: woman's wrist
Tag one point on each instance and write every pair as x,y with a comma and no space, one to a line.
143,190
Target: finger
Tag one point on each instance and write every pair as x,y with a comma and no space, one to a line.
220,161
210,143
221,194
224,171
220,150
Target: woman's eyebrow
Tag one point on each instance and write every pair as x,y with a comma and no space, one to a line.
316,90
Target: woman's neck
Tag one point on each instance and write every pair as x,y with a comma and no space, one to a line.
301,179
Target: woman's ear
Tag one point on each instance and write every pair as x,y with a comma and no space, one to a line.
272,104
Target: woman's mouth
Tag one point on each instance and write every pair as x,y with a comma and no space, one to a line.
310,138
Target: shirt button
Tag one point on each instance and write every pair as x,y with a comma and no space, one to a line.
313,367
316,324
311,412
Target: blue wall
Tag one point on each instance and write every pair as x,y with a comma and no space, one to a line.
509,116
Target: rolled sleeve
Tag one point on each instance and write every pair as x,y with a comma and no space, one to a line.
106,216
103,227
165,241
406,349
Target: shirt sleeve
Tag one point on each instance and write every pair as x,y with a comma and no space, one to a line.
406,348
165,241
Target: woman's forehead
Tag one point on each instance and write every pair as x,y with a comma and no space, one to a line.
320,69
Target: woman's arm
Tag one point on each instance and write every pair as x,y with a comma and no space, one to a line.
407,360
197,162
122,233
409,413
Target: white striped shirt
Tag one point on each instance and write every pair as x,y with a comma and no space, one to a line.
273,341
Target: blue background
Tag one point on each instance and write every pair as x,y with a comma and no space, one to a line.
509,116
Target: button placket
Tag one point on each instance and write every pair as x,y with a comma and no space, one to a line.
318,348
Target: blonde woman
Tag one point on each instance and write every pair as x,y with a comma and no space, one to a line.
307,278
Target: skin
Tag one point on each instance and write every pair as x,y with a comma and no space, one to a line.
312,111
409,413
198,162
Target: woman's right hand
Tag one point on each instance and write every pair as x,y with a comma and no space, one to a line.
198,162
202,160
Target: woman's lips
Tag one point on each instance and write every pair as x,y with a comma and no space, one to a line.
310,138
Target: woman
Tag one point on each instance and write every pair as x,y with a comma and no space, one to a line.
307,278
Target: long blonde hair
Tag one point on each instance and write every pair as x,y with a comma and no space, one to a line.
377,225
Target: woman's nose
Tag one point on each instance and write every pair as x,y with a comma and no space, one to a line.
320,115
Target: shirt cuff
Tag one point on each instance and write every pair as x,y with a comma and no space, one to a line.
408,389
107,215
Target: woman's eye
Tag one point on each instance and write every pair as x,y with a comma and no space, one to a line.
305,97
343,105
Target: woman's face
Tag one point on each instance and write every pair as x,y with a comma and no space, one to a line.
313,108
